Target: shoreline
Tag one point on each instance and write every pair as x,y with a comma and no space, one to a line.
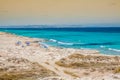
44,40
60,63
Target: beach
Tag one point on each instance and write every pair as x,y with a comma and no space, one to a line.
34,61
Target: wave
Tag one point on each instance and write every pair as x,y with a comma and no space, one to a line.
110,49
43,44
102,46
116,50
60,42
53,40
64,43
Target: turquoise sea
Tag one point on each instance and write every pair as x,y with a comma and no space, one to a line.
106,40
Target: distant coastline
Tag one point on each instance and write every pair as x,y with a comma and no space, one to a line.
84,29
114,25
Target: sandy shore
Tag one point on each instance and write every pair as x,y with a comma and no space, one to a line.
34,62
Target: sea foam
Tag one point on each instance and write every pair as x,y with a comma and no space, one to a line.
53,40
65,43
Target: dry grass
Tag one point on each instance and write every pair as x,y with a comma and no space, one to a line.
81,61
81,64
47,63
15,76
34,71
117,70
71,73
25,74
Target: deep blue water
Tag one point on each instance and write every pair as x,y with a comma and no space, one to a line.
106,40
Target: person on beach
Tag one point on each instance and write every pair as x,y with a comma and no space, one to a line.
18,43
27,43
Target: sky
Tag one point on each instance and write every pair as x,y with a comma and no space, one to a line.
61,12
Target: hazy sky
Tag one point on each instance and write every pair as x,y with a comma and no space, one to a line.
36,12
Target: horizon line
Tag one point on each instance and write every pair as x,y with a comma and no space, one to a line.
64,25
